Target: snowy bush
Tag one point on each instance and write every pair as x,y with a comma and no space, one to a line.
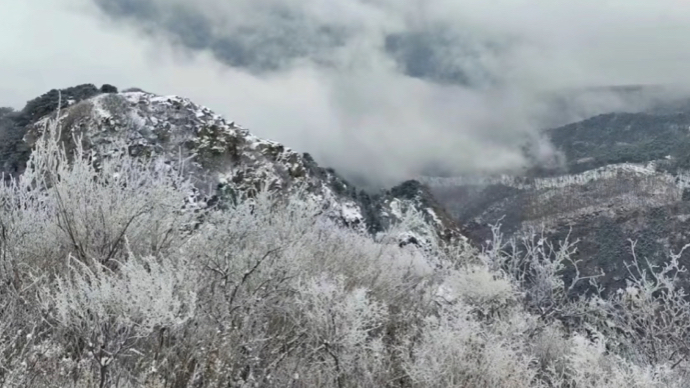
537,265
90,203
588,364
648,321
105,314
456,350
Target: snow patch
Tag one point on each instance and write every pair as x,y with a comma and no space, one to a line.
396,209
351,213
98,108
434,217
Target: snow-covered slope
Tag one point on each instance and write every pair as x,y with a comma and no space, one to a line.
526,203
682,179
227,160
624,176
549,200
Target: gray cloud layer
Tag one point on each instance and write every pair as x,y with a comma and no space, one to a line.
380,89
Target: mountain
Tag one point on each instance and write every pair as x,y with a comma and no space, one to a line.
625,176
14,152
224,160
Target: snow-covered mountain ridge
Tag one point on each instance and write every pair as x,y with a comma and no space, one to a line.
623,176
681,179
224,159
549,200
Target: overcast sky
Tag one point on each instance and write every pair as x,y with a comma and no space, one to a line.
382,88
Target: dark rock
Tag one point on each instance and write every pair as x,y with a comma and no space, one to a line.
106,88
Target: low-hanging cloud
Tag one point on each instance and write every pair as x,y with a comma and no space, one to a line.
382,90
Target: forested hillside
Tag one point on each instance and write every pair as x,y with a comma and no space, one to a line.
624,175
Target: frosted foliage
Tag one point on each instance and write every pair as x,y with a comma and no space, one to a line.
344,324
28,227
142,295
550,347
91,203
589,366
649,320
456,351
476,285
113,275
111,312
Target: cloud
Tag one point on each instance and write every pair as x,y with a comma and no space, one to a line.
382,90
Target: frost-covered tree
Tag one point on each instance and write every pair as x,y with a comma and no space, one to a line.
70,226
106,315
649,320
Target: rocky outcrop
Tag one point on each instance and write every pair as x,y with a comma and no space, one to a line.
226,160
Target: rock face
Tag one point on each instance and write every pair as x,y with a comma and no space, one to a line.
626,176
226,160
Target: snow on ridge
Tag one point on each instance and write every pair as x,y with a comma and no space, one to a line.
682,180
164,124
434,217
609,207
202,113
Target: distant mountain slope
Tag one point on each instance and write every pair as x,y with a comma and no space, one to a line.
627,176
625,138
224,159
